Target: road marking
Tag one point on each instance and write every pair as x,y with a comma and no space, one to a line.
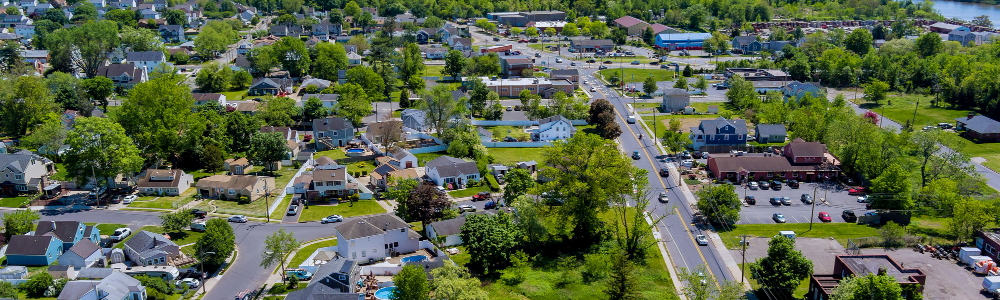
683,222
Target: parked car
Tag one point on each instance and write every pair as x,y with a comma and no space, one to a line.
572,64
292,210
753,185
779,218
332,219
863,199
591,61
763,185
481,196
190,283
825,217
775,201
593,89
635,63
538,55
945,125
776,185
654,63
858,191
664,67
496,39
238,219
510,108
664,172
466,207
750,200
490,205
300,274
786,201
701,239
807,198
602,67
120,234
635,155
793,184
200,214
128,199
848,215
607,62
663,197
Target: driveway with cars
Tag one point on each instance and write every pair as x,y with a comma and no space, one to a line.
837,200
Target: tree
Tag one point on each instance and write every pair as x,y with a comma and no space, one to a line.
425,203
699,287
570,30
262,60
19,222
352,9
982,20
330,58
649,86
928,44
681,83
175,17
894,187
279,111
531,31
49,136
155,115
367,79
783,268
241,80
876,91
176,221
602,113
99,89
99,147
411,284
892,235
58,16
413,62
313,109
440,107
719,204
83,13
934,163
649,36
268,149
478,93
623,283
11,60
869,287
25,102
38,285
859,41
454,64
140,39
741,93
88,45
970,215
214,78
214,38
241,128
453,282
519,183
353,103
276,246
8,291
218,238
489,239
550,31
485,25
293,55
701,84
687,72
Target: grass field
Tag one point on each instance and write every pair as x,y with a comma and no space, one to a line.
989,151
902,107
107,228
14,201
281,209
500,132
306,251
165,202
839,231
237,95
541,47
253,209
615,60
362,166
433,70
638,75
799,292
423,158
334,154
515,155
359,208
646,105
468,192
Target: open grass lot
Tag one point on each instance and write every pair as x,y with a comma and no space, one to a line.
237,95
14,201
663,122
433,70
638,75
277,214
199,174
281,177
107,228
468,192
646,105
165,202
60,173
253,209
989,151
839,231
541,47
500,132
615,60
358,208
902,107
515,155
334,154
306,251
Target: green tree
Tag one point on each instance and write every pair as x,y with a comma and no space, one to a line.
353,103
477,95
240,128
276,246
176,221
783,268
99,89
531,31
313,109
413,62
489,239
454,64
519,183
928,44
969,215
741,93
90,43
894,187
859,41
869,287
550,31
19,222
241,80
622,284
453,282
58,16
719,204
876,91
100,147
214,38
214,78
681,83
570,30
676,141
155,114
38,285
649,86
649,36
352,9
699,286
293,55
367,79
892,235
701,84
83,13
175,17
140,39
602,113
219,238
49,135
411,284
25,102
440,107
268,149
330,58
8,291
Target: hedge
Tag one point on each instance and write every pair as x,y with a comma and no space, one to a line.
492,181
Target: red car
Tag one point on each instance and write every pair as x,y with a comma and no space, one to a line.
825,217
522,41
858,191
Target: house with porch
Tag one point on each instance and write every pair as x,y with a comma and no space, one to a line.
271,86
172,33
23,172
454,172
82,255
164,182
719,134
554,128
117,285
332,183
747,44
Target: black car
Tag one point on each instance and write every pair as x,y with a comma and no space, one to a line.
664,172
591,61
200,214
496,39
750,200
849,216
807,199
775,201
776,185
607,62
793,184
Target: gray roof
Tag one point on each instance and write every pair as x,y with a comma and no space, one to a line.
269,83
64,230
332,124
675,92
570,72
29,244
448,166
373,225
320,83
321,97
20,160
980,124
149,244
448,227
94,273
554,119
771,129
744,40
712,126
145,56
84,248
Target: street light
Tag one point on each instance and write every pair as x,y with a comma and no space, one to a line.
201,265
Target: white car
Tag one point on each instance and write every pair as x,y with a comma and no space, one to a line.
191,283
120,234
702,240
466,207
593,89
128,199
753,185
238,219
863,199
332,219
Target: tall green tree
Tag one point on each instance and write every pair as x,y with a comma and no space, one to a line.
413,62
155,115
440,107
928,44
489,239
217,244
622,284
783,268
876,91
411,284
681,83
19,222
99,147
268,149
314,109
84,47
214,78
140,39
240,128
279,111
454,282
276,247
741,93
893,187
719,204
99,89
699,286
293,55
603,115
354,103
367,79
454,64
330,58
214,37
25,102
176,221
519,183
859,41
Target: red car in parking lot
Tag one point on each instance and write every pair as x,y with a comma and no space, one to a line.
858,191
825,217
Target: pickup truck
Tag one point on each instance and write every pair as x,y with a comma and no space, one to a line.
481,196
301,274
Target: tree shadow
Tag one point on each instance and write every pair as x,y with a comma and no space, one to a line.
870,105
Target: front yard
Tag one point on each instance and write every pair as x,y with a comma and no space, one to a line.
468,192
15,201
902,107
306,251
315,212
165,202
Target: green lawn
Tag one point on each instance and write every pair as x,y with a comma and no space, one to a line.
638,75
364,167
500,132
989,151
515,155
165,202
253,209
799,292
182,238
646,105
615,60
237,95
14,201
902,107
107,228
423,158
278,212
281,177
702,107
60,173
433,70
359,208
839,231
306,251
334,154
468,192
199,174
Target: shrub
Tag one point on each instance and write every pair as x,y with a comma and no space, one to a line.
243,200
492,181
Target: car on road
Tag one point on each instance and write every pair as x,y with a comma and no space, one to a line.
786,201
654,63
664,172
863,199
238,219
558,60
481,196
496,39
857,191
190,283
199,214
332,219
607,62
572,64
510,108
522,41
776,201
466,207
664,67
490,205
635,155
128,199
776,185
929,128
793,184
120,234
635,63
292,210
591,61
848,215
825,217
763,185
701,239
602,67
538,55
663,197
806,198
778,217
753,185
750,200
593,89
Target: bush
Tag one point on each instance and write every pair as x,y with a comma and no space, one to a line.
492,182
38,285
243,200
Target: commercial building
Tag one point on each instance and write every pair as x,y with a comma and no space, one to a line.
540,86
679,41
845,266
586,46
988,240
799,160
521,19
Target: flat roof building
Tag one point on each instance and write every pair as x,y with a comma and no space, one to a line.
540,86
845,266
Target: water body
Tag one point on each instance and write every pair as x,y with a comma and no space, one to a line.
966,10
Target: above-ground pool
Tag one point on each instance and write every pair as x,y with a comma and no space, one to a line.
385,293
355,152
415,258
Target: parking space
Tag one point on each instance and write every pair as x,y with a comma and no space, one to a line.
831,198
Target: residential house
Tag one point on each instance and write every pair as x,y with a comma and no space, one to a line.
115,286
446,34
554,128
123,3
770,133
333,182
675,100
26,32
968,38
159,4
514,66
847,266
571,75
408,18
541,86
10,37
147,248
206,98
329,100
498,170
320,84
11,21
32,56
124,75
354,59
796,90
291,138
678,41
942,27
406,159
988,240
271,86
586,46
25,4
385,132
324,30
243,47
82,255
172,33
148,13
69,232
245,16
449,171
234,186
714,135
461,44
286,30
979,128
446,232
160,182
32,250
23,172
335,280
237,166
375,237
435,51
148,60
383,182
633,26
332,132
415,119
424,35
747,44
799,160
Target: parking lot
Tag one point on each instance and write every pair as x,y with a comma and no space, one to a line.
835,195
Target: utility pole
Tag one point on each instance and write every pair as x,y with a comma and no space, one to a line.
914,121
266,204
201,264
743,242
811,215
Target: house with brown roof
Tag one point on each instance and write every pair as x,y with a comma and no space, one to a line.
124,75
799,160
162,182
234,186
375,237
632,25
238,166
821,286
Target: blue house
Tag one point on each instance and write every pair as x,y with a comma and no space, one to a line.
677,41
718,134
30,250
69,232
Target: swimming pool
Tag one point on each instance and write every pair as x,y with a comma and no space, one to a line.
385,293
415,258
355,152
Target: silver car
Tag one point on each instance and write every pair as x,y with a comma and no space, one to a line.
702,240
332,219
238,219
664,198
466,207
780,218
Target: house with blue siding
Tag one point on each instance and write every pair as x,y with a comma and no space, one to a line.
719,133
332,132
31,250
69,232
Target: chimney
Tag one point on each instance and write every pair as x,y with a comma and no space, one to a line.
971,114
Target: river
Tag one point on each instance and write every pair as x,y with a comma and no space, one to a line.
967,10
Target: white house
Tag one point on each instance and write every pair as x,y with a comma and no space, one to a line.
446,170
375,237
333,182
554,128
148,60
82,255
117,285
164,182
446,232
205,98
406,159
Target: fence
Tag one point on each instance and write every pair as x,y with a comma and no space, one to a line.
437,148
516,144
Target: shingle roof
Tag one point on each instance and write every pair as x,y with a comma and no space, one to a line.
675,92
553,119
711,126
373,225
980,124
29,244
744,40
84,248
761,164
64,230
570,72
147,179
206,96
18,161
324,160
628,21
327,175
799,147
229,181
330,124
448,227
448,166
145,56
771,129
149,244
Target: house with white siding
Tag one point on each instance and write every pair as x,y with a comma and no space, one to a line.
375,237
